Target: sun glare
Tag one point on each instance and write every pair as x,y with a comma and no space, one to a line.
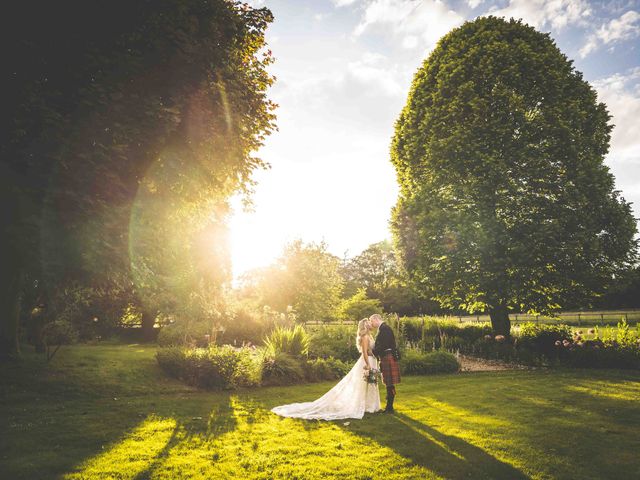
253,242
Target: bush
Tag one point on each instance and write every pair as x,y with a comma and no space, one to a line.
428,334
292,341
336,341
320,369
182,333
245,326
213,367
415,362
489,347
542,338
60,332
281,369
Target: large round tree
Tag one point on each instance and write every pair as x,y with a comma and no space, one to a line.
505,203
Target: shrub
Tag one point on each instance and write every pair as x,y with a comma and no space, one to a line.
59,332
281,369
245,326
488,347
592,354
320,369
428,334
542,338
183,333
292,341
213,367
336,341
415,362
173,361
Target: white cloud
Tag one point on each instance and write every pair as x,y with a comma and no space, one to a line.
624,28
474,3
621,94
373,69
343,3
540,13
427,20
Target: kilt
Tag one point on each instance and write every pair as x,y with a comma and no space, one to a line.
390,370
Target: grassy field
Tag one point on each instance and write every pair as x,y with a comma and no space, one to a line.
107,412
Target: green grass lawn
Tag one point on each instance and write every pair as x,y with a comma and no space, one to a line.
108,412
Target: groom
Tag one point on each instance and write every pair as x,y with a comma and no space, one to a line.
386,351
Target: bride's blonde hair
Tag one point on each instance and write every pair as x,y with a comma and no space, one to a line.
363,329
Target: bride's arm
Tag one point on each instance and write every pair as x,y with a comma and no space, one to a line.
364,343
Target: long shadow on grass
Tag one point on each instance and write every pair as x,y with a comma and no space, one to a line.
221,420
445,455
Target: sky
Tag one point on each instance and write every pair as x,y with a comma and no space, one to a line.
343,70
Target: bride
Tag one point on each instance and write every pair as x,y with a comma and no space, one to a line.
352,396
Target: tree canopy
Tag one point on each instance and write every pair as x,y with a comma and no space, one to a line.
126,126
505,203
306,278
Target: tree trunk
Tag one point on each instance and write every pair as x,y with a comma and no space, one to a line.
10,287
500,320
148,321
38,340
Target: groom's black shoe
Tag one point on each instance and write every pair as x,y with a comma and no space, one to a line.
389,407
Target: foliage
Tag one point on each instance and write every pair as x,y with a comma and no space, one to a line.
305,278
214,367
292,341
57,333
505,202
358,306
415,362
126,127
245,326
429,330
181,334
319,369
281,369
334,341
377,269
542,338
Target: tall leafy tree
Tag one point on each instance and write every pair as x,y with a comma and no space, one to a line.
505,203
306,277
378,270
111,109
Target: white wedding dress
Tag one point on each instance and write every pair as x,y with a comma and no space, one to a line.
351,397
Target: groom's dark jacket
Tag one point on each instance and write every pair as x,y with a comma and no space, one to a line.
384,341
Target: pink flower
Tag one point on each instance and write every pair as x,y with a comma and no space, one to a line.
558,343
500,338
488,337
566,343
